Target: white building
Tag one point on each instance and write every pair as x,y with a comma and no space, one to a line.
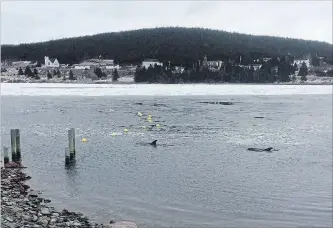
81,67
51,62
112,67
215,64
147,62
256,67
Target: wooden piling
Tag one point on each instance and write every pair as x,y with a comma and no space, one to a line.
13,143
73,137
71,143
18,145
5,155
67,157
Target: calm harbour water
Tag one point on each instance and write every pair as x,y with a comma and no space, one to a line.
199,175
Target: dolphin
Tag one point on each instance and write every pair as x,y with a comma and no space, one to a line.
153,143
261,150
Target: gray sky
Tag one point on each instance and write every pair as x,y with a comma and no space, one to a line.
33,21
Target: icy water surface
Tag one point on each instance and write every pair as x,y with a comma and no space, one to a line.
199,175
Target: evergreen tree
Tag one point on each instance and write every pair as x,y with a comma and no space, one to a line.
71,75
28,72
54,73
58,73
115,75
314,61
20,71
38,64
284,70
36,76
98,72
303,70
49,75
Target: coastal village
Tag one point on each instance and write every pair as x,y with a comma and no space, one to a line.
101,70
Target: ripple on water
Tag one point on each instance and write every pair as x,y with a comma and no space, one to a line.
200,174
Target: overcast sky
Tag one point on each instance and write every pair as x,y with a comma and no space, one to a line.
33,21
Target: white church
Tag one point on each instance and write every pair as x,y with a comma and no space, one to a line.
51,62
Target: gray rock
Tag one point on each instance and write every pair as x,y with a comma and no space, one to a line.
55,214
36,226
9,219
17,209
45,211
34,218
8,203
26,217
53,220
76,224
43,222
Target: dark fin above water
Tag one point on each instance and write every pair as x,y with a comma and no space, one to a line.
269,149
153,143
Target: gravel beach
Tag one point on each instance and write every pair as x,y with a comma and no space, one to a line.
23,207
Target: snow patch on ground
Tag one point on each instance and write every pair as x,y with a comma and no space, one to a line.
60,89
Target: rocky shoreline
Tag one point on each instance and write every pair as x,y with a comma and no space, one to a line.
23,207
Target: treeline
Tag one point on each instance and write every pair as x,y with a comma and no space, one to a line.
181,46
271,71
34,73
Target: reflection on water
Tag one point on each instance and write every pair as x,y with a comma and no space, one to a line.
200,174
72,180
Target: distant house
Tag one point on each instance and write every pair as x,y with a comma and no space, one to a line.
112,67
53,62
82,67
215,64
151,62
256,67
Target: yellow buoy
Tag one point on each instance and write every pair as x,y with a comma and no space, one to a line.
144,127
83,140
125,130
113,134
157,125
139,114
149,120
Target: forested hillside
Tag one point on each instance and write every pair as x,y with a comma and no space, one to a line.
178,45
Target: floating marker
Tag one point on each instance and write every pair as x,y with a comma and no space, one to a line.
125,130
149,120
113,134
157,125
83,140
139,114
144,127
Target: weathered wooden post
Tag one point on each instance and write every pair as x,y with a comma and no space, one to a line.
18,144
73,137
13,143
5,155
67,158
71,143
